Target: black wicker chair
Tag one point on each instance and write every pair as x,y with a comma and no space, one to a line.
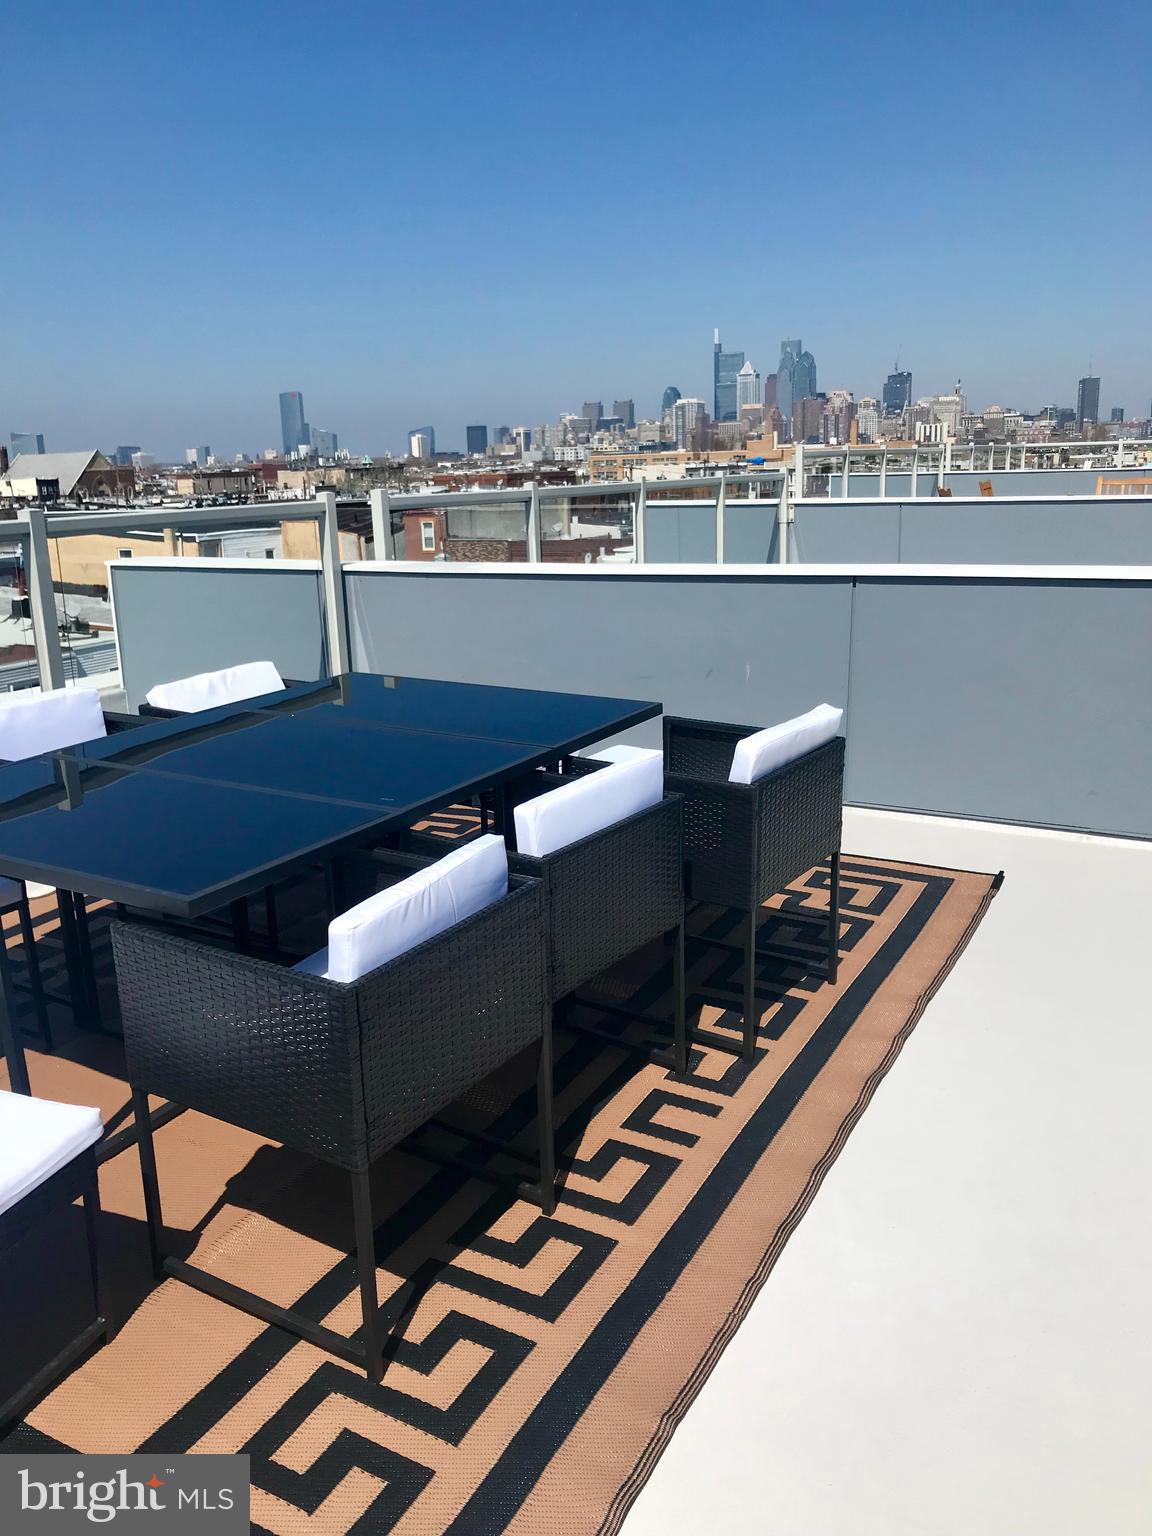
42,1246
341,1072
607,895
745,842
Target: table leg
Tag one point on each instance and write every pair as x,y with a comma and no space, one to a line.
10,1032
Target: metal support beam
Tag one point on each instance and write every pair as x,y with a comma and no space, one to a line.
381,524
335,612
535,540
42,601
639,514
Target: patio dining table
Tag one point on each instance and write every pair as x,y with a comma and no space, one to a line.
191,816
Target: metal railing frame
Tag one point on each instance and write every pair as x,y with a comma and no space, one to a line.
35,527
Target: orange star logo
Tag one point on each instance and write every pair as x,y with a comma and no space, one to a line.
155,1482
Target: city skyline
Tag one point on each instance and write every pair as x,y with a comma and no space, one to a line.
462,287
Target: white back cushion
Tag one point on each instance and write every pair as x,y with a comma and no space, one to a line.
413,910
588,804
34,722
623,752
760,753
228,686
37,1137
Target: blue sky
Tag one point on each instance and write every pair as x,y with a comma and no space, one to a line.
453,212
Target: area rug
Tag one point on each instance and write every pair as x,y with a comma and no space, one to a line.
538,1365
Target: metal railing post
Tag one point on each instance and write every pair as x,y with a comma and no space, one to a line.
884,471
42,601
721,497
639,513
535,539
847,457
381,524
335,609
782,523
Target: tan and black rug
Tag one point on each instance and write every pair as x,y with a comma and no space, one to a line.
538,1365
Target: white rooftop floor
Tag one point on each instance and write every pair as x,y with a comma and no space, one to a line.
956,1339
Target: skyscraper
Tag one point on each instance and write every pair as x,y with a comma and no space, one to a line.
747,387
293,428
725,367
1087,401
897,393
477,439
690,423
795,377
422,443
626,410
325,443
26,442
1117,413
671,395
594,411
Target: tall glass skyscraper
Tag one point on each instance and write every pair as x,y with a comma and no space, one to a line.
897,393
725,367
293,428
1087,402
795,377
477,437
671,395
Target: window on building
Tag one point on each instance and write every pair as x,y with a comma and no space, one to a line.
427,535
123,554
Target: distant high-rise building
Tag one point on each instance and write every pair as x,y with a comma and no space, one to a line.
26,442
501,435
522,436
1117,413
123,454
725,368
837,417
747,387
868,418
671,395
477,439
808,419
293,428
897,393
795,378
189,455
325,443
594,410
690,423
626,410
1087,401
422,443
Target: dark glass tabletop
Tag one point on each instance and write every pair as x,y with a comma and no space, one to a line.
334,757
186,845
185,815
564,720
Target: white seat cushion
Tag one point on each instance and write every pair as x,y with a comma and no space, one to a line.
37,1138
588,804
10,893
33,722
760,753
622,752
411,911
230,685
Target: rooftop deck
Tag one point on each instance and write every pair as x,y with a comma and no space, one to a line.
955,1338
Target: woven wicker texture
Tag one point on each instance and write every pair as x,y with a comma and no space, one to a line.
608,894
743,842
341,1072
